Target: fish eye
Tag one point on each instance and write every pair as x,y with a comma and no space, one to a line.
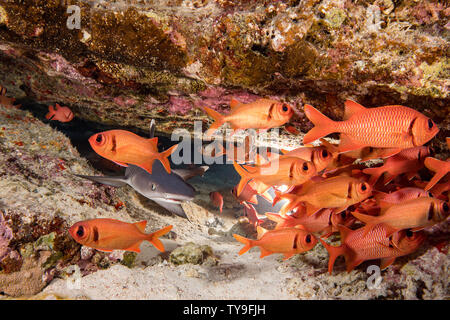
308,238
430,124
409,233
430,194
325,153
153,187
99,138
445,207
80,231
305,166
285,108
343,215
364,187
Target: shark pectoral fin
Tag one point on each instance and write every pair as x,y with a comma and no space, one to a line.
173,207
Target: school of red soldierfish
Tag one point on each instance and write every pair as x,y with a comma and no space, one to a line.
325,189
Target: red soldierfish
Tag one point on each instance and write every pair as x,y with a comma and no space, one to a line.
383,127
111,234
216,199
288,171
414,214
124,147
5,101
407,161
62,114
260,114
288,241
356,248
386,200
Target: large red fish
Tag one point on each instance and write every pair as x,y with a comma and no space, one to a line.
260,114
124,147
356,248
288,171
111,234
288,241
337,192
414,214
383,127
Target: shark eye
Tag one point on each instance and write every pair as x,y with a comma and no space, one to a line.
153,187
430,124
80,231
308,238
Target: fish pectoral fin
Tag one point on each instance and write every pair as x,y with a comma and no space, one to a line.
353,263
347,144
135,247
287,255
386,262
141,225
121,164
265,252
310,210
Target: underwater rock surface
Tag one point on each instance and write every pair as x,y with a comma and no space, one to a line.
134,60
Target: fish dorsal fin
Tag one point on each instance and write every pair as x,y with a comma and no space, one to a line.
260,232
234,103
351,108
152,128
344,231
57,106
141,225
153,142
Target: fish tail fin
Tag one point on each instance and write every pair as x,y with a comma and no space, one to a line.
219,120
244,178
153,237
436,166
247,243
374,173
164,157
51,113
334,253
322,124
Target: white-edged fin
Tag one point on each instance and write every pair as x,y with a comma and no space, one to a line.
173,207
152,128
119,181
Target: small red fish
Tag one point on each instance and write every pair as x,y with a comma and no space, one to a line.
383,127
216,199
325,221
252,214
248,194
407,161
388,199
5,101
356,248
124,147
288,241
260,114
62,114
111,234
